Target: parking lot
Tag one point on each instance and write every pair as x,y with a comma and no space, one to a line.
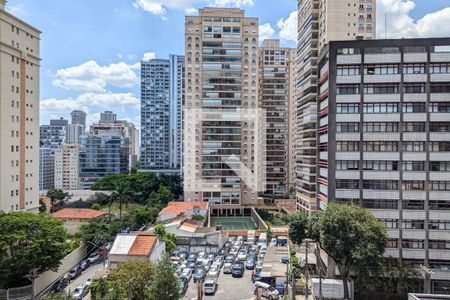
228,288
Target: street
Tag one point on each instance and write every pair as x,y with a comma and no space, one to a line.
89,273
229,288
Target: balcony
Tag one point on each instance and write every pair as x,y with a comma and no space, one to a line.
348,79
391,78
413,253
382,58
415,57
415,77
348,98
417,234
344,59
440,57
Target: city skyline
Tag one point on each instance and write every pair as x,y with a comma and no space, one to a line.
103,67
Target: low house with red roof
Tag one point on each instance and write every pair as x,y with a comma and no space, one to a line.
136,246
177,209
73,218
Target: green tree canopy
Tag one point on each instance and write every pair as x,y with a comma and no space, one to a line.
169,238
298,225
56,195
164,285
161,197
29,242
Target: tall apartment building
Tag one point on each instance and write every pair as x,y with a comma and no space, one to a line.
320,21
46,169
162,97
221,70
132,135
19,113
79,117
73,133
276,97
67,167
52,136
384,142
107,117
59,122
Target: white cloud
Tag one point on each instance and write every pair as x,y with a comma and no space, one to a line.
265,31
16,9
401,25
191,11
149,56
232,3
91,77
288,27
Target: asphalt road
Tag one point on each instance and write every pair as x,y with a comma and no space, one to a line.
89,273
229,288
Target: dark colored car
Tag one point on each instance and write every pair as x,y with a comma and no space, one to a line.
192,257
84,264
199,274
229,258
223,251
60,285
74,273
237,270
183,283
256,275
192,265
250,264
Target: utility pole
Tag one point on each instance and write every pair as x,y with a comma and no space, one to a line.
428,274
306,271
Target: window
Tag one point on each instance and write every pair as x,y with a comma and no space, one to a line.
389,223
347,184
380,185
392,243
380,165
439,68
413,107
347,70
440,126
413,224
413,166
439,166
347,89
380,146
347,165
440,88
439,107
347,108
379,203
381,89
347,146
413,69
439,146
380,107
413,185
439,225
380,127
440,185
414,127
415,88
439,205
347,127
413,146
412,244
381,69
438,244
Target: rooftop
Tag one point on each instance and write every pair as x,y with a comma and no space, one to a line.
182,207
77,213
134,243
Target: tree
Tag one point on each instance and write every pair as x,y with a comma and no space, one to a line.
160,198
97,231
42,206
169,238
298,225
29,244
352,237
56,195
123,195
164,285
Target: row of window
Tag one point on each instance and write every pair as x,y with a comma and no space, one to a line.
407,107
391,146
392,185
394,69
405,204
410,88
435,166
391,127
416,224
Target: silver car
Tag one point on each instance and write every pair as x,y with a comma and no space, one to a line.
80,291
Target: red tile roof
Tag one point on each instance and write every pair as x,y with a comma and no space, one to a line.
143,245
182,207
77,213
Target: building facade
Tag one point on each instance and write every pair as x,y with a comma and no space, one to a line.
276,97
108,117
79,117
320,21
46,169
52,136
384,142
221,97
19,113
67,167
73,133
162,96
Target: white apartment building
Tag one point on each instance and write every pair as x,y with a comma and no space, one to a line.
67,167
19,113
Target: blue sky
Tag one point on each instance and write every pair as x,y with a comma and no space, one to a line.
91,49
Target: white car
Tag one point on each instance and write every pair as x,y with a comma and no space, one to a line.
88,282
213,271
266,290
186,273
80,291
242,255
201,255
273,242
93,257
227,268
210,286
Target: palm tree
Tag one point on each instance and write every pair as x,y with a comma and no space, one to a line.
123,195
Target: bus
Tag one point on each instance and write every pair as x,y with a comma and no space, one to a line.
262,241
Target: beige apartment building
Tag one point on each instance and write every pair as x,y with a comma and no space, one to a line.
67,167
320,21
276,98
221,101
19,113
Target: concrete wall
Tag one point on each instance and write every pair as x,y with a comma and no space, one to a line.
67,263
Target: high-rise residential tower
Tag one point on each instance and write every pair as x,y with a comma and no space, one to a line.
221,96
320,21
384,142
162,97
67,167
276,97
107,117
46,168
79,117
19,113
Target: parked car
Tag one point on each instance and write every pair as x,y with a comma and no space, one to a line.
266,290
227,268
256,274
187,273
108,246
183,283
285,259
250,264
237,269
182,254
80,291
210,285
218,261
74,273
84,264
60,285
201,255
192,257
93,257
242,255
273,242
88,282
213,271
210,256
223,251
229,258
192,265
199,274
